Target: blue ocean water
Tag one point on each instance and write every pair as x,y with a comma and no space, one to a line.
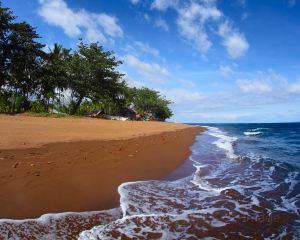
244,183
276,141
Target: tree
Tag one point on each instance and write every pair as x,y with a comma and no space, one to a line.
25,62
21,59
149,103
54,75
93,76
163,112
6,18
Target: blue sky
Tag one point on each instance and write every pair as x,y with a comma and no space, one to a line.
217,60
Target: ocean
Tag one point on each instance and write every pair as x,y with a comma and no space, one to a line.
244,183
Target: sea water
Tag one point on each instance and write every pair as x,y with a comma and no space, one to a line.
245,184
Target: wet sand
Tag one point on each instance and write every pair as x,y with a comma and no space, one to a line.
50,165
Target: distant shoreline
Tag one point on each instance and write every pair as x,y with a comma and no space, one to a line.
59,165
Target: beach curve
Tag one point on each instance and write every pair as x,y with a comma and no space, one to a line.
81,175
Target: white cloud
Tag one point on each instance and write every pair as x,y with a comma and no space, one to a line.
162,24
191,23
235,43
269,82
226,115
137,47
182,95
257,93
109,24
188,84
76,23
152,72
294,87
196,36
225,70
194,20
144,47
131,81
254,86
164,4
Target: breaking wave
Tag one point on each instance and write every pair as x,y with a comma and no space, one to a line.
252,133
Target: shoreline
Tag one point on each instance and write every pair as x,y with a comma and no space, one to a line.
81,176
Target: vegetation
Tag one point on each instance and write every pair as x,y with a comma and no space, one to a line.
66,81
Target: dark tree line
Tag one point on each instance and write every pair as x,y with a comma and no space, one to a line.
65,80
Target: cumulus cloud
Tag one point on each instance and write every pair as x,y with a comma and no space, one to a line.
235,43
179,95
254,86
294,87
152,72
164,4
256,92
162,24
225,71
196,18
75,23
191,24
267,82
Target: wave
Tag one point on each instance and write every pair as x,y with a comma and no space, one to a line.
255,131
252,133
223,141
259,129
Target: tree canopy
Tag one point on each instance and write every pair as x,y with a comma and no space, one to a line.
34,78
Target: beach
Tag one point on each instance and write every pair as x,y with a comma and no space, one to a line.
53,165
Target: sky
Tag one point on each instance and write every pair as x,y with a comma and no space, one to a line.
219,61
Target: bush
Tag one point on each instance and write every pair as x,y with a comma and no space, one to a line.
37,106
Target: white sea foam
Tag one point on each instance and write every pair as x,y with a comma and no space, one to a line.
224,141
252,133
259,129
54,226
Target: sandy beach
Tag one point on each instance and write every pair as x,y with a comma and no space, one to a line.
50,165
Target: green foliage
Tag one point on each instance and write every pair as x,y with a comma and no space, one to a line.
20,60
6,18
65,81
93,75
54,76
4,103
37,106
149,103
